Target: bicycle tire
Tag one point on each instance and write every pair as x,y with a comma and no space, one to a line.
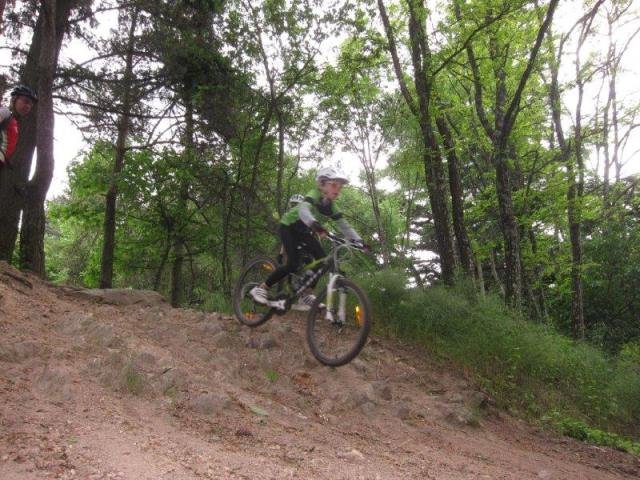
321,332
247,311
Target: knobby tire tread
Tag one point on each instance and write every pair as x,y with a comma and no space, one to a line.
315,314
237,292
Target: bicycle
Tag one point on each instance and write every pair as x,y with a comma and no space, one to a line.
338,322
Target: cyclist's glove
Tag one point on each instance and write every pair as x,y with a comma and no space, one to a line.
361,245
356,242
319,229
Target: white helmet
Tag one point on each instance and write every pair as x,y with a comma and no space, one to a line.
295,200
331,173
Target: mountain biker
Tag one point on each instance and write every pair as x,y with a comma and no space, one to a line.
22,100
301,224
294,200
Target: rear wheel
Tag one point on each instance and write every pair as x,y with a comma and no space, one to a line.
248,311
337,341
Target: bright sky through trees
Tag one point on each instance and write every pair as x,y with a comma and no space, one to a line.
69,141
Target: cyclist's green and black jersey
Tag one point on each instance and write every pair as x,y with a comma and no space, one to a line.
297,226
307,214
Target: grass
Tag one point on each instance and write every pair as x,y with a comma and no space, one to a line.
528,368
216,302
581,431
132,381
272,375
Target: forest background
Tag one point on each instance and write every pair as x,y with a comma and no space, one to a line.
490,143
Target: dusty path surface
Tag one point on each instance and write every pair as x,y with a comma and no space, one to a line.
119,385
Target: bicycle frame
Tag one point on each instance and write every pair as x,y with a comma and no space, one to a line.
330,263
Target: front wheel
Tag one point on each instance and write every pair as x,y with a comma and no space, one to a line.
248,311
338,333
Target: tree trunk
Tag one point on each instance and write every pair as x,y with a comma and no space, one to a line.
437,197
368,159
13,181
434,172
494,273
177,287
163,261
124,122
421,58
14,177
480,274
605,117
33,221
574,205
281,203
510,233
457,195
176,272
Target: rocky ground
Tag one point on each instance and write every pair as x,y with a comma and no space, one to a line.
118,385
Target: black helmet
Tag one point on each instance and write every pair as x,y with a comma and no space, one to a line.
24,91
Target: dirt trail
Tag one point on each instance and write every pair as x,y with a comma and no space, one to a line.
118,385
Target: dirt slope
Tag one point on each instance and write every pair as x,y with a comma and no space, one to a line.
134,389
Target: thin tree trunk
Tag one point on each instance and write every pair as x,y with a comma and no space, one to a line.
124,122
163,261
176,272
480,274
538,289
177,285
368,159
574,204
281,202
611,54
494,273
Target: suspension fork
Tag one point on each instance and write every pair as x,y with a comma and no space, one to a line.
342,300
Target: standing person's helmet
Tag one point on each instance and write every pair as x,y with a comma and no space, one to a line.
295,200
331,174
24,91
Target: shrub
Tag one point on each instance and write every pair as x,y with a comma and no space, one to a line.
526,366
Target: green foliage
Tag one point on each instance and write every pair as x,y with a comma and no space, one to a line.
215,301
132,381
525,366
272,375
630,354
581,431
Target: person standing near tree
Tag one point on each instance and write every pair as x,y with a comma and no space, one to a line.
22,100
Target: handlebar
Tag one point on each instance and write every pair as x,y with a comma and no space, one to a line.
359,245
